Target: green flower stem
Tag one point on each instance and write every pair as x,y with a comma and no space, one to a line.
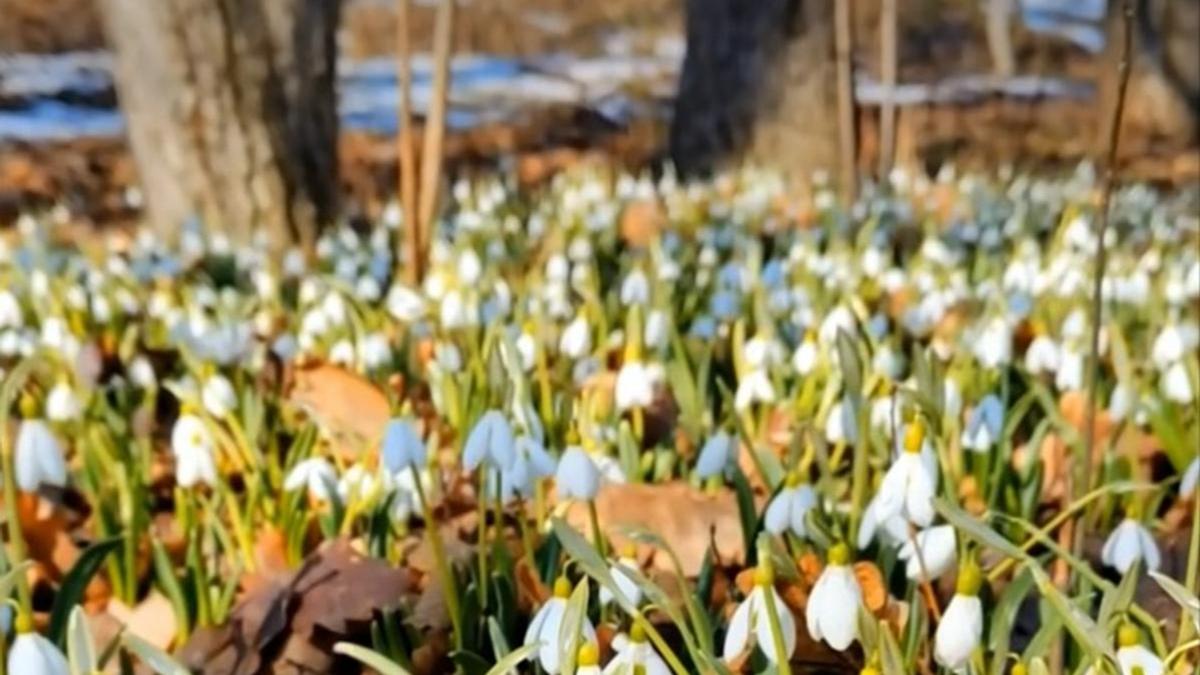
445,575
782,666
16,538
1192,579
597,534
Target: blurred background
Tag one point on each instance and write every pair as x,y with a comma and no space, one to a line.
539,85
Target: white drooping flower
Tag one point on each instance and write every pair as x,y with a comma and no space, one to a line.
10,310
547,630
576,340
192,445
833,605
790,506
909,485
315,474
961,628
38,457
754,385
32,654
934,554
656,332
1042,355
531,463
635,288
1129,542
218,395
491,441
405,304
717,455
1168,347
61,403
993,344
624,582
402,446
893,530
1132,657
1190,479
1175,383
1069,376
751,618
804,359
141,372
1120,402
635,386
985,425
635,655
577,476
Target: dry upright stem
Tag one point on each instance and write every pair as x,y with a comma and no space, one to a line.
997,13
1110,177
435,121
845,86
887,112
406,149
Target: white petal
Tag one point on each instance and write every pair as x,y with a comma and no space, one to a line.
777,516
738,635
959,631
787,629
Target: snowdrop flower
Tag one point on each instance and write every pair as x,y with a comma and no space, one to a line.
577,476
716,456
1042,355
934,554
316,474
10,310
1129,542
1120,402
1175,383
909,485
894,530
985,425
657,329
546,628
1132,656
804,359
1070,370
32,654
635,654
38,457
405,304
530,464
402,447
192,446
218,395
993,344
624,582
141,373
576,340
961,628
832,611
1191,476
752,618
635,288
491,440
754,386
1168,346
342,353
789,508
635,386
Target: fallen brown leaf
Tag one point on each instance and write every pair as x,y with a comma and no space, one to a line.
349,409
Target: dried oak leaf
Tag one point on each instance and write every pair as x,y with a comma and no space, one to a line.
348,408
289,624
681,515
641,222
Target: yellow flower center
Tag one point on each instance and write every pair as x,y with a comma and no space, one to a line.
970,578
793,479
589,655
1128,635
637,633
914,436
629,550
562,587
839,554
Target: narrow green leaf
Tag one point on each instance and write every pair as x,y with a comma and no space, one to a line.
973,528
370,658
570,633
81,651
1087,634
73,585
509,663
154,658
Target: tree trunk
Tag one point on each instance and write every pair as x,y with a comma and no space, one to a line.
231,112
759,81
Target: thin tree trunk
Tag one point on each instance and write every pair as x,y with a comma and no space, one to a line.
998,12
435,120
406,140
231,112
887,112
845,81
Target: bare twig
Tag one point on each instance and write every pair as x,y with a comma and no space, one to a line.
1097,302
845,86
435,120
887,112
406,150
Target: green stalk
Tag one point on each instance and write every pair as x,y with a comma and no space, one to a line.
445,575
782,666
597,535
16,538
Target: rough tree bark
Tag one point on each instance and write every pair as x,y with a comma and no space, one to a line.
759,81
231,112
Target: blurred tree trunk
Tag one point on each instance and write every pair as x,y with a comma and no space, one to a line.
759,81
231,112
